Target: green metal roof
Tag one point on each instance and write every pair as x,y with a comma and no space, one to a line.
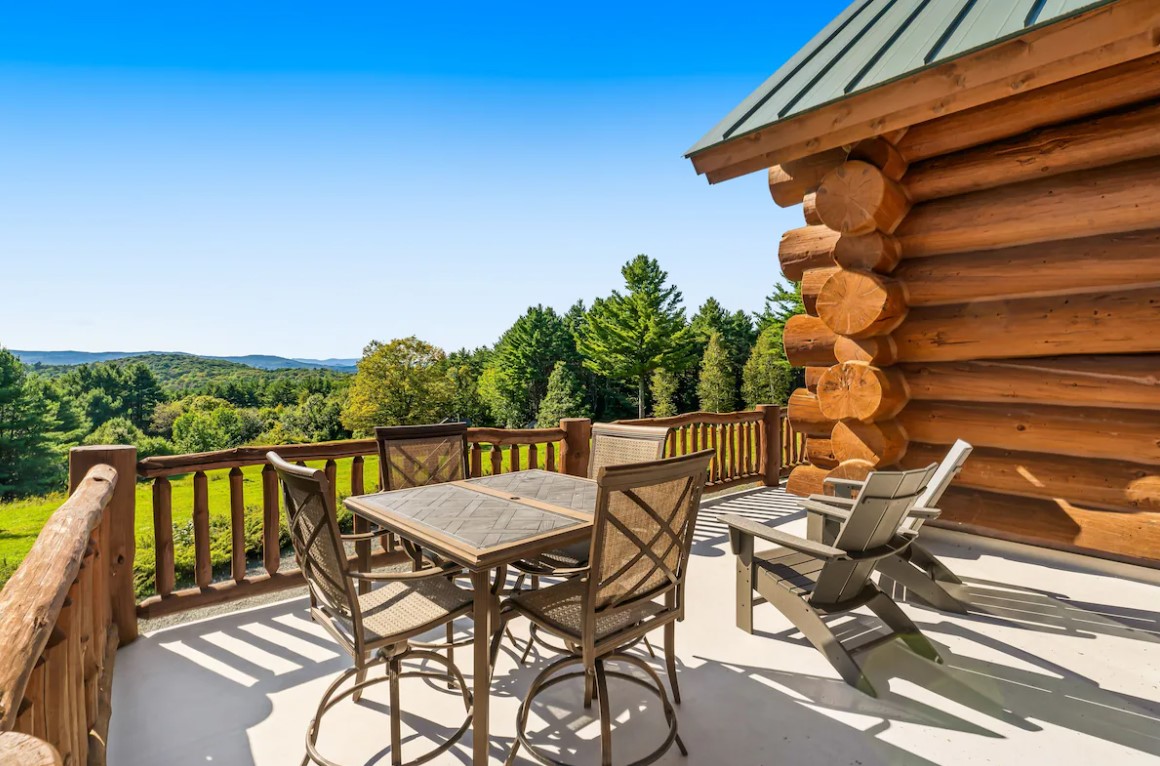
873,42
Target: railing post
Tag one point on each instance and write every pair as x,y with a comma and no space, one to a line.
771,442
577,445
118,542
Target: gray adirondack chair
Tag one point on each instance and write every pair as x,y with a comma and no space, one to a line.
915,568
808,579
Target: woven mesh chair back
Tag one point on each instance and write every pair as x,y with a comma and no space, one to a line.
614,444
875,518
643,530
315,536
415,456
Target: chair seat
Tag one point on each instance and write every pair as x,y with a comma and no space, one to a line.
396,610
559,608
796,572
573,556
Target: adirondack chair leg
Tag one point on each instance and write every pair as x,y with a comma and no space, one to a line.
918,585
890,613
744,584
671,659
807,620
925,560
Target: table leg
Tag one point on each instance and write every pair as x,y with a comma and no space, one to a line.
481,680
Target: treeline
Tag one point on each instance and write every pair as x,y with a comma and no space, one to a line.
631,353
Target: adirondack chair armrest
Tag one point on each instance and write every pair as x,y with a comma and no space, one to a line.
844,488
740,527
925,514
821,504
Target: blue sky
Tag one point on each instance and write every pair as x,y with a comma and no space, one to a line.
298,179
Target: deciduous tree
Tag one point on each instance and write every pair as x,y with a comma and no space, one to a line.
403,382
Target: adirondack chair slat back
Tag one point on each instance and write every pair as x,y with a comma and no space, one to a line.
875,518
947,470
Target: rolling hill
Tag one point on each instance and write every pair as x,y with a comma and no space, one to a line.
257,361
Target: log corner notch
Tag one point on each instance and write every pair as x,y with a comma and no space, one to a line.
853,308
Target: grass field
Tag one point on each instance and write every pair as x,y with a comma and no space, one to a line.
22,520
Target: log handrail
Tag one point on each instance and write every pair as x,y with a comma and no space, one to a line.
59,633
712,418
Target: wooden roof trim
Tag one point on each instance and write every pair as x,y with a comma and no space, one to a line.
1103,37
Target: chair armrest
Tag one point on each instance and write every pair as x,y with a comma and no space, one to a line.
896,544
359,537
847,487
841,502
740,526
438,571
925,514
826,509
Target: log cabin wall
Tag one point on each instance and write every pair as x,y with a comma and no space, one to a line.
992,275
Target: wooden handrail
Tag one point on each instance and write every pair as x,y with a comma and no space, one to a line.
713,418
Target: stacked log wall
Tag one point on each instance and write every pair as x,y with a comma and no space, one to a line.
1006,292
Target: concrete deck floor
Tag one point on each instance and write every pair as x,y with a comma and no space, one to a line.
1059,662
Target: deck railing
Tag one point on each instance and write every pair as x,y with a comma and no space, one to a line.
62,611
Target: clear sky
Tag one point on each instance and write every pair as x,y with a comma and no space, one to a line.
298,179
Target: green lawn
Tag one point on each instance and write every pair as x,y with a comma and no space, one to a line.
22,520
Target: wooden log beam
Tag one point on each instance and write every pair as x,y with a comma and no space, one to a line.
820,452
806,416
1081,145
873,252
810,247
1119,322
1111,484
856,470
1045,268
1103,434
808,342
18,749
881,351
880,444
861,304
858,198
1130,538
810,210
1101,90
793,180
859,391
806,480
882,154
1119,382
1110,200
813,376
812,281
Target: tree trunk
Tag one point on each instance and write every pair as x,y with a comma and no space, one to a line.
640,400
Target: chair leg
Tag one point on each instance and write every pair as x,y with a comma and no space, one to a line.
589,689
396,715
745,587
810,624
605,716
929,563
917,583
671,659
359,677
648,646
890,613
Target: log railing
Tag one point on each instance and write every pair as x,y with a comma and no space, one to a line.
491,450
60,628
748,446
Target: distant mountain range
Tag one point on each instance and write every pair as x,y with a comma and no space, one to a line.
257,361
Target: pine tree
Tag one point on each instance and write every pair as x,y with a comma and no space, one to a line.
768,377
142,394
664,394
522,363
780,305
717,383
564,398
26,420
628,336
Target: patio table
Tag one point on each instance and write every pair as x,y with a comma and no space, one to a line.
483,524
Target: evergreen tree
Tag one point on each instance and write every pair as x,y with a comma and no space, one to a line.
780,305
564,398
736,330
522,363
142,394
717,382
664,394
27,459
628,336
768,377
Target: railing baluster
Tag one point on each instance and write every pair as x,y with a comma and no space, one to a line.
271,519
476,459
202,567
330,469
237,525
514,459
533,457
550,463
496,459
362,548
163,566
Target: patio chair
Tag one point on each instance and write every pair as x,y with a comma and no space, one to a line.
914,568
612,444
639,555
374,628
808,579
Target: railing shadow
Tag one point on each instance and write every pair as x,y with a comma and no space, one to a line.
759,504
